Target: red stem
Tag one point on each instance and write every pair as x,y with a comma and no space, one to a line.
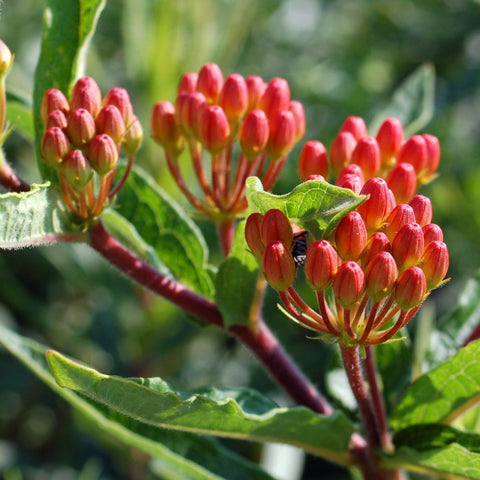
10,180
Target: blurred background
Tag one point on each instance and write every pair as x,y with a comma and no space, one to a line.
340,58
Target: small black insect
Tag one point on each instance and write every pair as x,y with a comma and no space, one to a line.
299,249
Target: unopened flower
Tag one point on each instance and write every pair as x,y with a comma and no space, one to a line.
313,160
279,266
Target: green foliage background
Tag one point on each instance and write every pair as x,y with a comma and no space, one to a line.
340,58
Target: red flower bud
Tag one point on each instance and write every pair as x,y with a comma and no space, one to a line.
399,216
414,151
253,135
431,233
351,236
422,207
53,99
349,284
402,181
190,111
377,242
435,263
256,86
76,170
110,121
321,264
133,138
380,276
341,151
214,129
80,127
103,154
86,94
299,114
188,83
411,288
164,128
350,181
408,245
57,118
210,82
316,178
313,160
367,155
253,236
234,97
276,226
351,169
282,134
276,97
356,126
55,146
279,266
390,140
433,154
119,97
376,208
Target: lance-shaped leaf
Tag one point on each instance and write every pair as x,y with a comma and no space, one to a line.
443,394
34,218
324,436
314,205
188,456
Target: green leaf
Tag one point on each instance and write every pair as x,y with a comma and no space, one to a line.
34,218
412,103
21,118
183,455
442,394
67,28
314,205
164,226
328,437
236,282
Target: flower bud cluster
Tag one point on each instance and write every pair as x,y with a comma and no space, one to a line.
83,139
213,114
355,157
372,274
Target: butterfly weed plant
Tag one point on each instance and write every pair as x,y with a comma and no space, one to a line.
353,252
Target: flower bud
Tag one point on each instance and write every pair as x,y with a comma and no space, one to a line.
234,97
253,135
366,154
188,82
57,118
377,242
422,207
414,151
348,284
356,126
103,154
214,129
253,236
119,97
276,97
408,245
80,127
55,146
321,263
350,181
282,134
210,82
351,169
341,151
390,140
313,160
411,288
376,208
402,181
431,233
110,121
276,226
53,99
76,170
316,178
433,154
435,263
6,59
399,216
299,114
190,110
350,236
256,86
164,128
278,266
133,138
86,94
380,276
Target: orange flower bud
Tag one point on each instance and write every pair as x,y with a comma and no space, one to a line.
414,151
313,160
86,94
253,235
366,154
133,138
57,118
422,207
341,151
356,126
256,86
321,264
103,154
214,129
351,236
188,83
119,97
390,140
80,127
164,128
234,97
253,135
380,276
276,226
435,263
433,154
350,181
55,146
76,170
282,134
349,284
376,208
110,121
402,181
276,97
210,82
279,266
377,242
53,99
411,288
299,114
408,245
431,233
399,216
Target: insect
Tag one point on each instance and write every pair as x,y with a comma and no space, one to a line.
299,249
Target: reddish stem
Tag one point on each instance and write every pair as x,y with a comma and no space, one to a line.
226,232
10,180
